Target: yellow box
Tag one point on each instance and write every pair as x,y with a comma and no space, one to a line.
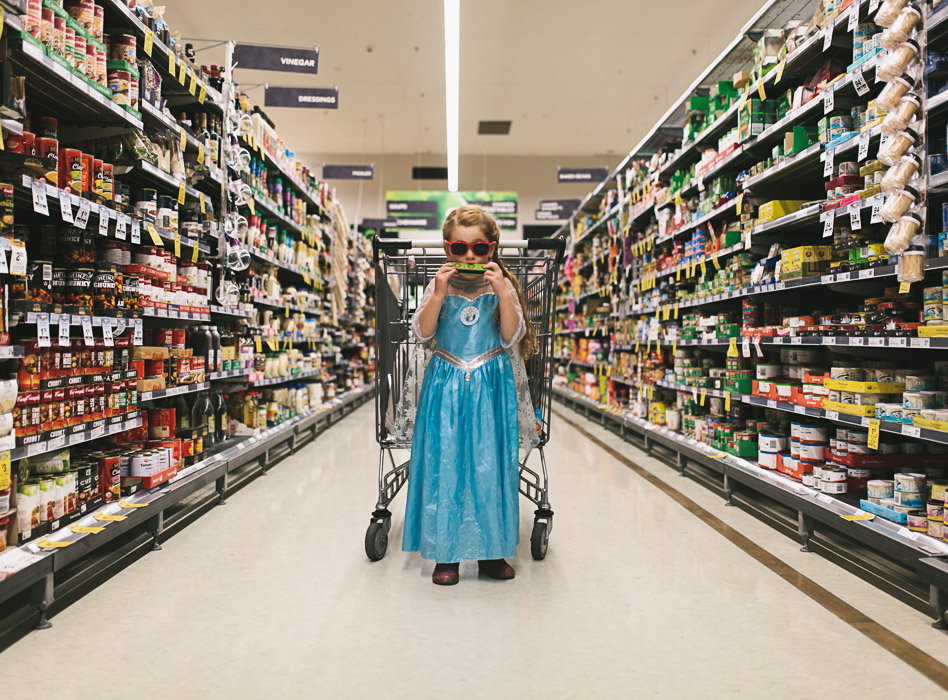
849,409
933,332
864,387
777,208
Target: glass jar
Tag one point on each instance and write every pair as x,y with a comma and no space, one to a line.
898,176
901,234
899,118
897,204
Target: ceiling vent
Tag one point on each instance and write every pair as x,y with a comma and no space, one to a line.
493,128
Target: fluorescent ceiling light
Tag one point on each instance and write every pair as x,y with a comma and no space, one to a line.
452,84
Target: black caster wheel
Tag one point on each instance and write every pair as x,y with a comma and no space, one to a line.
539,539
376,540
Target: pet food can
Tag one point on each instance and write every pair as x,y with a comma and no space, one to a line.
812,451
881,488
936,529
936,510
917,521
767,460
833,487
772,442
913,483
908,498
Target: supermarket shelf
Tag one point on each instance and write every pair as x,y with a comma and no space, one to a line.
150,175
286,380
937,103
595,292
788,168
935,23
708,259
231,374
598,260
288,176
172,391
92,431
11,352
939,182
119,324
230,311
587,331
55,89
717,393
172,312
279,263
716,213
270,209
611,214
803,216
25,565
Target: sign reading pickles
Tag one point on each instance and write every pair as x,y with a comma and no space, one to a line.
426,210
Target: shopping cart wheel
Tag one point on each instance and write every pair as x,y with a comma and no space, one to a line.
376,540
539,539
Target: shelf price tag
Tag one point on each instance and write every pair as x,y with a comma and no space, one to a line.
4,470
863,146
150,42
3,262
82,217
177,245
171,62
125,505
17,257
760,353
905,287
85,529
107,336
203,204
192,86
259,344
137,338
827,224
40,205
727,400
103,518
136,232
911,430
853,18
194,252
183,72
827,38
873,433
86,323
761,91
42,330
200,158
876,217
181,192
714,260
780,68
746,347
676,310
732,348
64,330
828,163
183,136
103,220
855,217
153,232
829,99
121,227
704,394
65,206
858,516
202,94
46,543
859,82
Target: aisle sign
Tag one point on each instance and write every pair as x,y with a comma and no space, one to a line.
557,209
425,210
311,98
348,172
277,58
581,174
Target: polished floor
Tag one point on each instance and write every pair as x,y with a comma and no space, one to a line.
272,596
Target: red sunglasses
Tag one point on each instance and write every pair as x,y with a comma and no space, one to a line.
480,248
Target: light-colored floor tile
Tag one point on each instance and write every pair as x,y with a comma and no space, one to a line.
272,595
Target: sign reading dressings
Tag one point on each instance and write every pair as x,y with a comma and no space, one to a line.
348,172
426,211
312,98
278,58
581,174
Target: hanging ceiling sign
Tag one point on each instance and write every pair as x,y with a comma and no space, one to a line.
581,174
348,172
426,210
313,98
279,58
557,209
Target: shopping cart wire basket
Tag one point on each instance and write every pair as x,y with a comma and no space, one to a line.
403,269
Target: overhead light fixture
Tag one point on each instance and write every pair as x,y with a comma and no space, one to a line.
452,84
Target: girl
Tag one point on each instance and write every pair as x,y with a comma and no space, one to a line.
464,473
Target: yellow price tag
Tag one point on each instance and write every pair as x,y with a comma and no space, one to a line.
103,518
200,158
714,259
666,312
125,505
203,204
4,470
171,62
306,279
184,139
761,92
155,238
177,245
873,433
637,341
740,203
253,209
732,348
259,344
704,394
727,400
44,543
905,287
181,192
675,347
149,41
678,273
183,72
704,267
743,101
287,310
780,67
86,529
678,201
192,86
194,252
202,95
1,22
648,348
676,310
859,516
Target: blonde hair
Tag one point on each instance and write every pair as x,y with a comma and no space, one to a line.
469,215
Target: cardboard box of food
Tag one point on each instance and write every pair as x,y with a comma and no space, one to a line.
148,352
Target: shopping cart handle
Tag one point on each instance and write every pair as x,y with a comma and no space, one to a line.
389,245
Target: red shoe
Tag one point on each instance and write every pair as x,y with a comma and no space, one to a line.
496,568
445,574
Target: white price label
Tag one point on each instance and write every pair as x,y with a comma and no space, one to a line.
863,146
865,274
40,205
827,224
911,430
760,353
121,227
65,206
771,403
119,326
844,276
103,221
873,6
857,341
920,343
107,332
3,262
64,330
859,82
799,409
42,330
746,347
828,163
796,340
883,140
82,218
136,232
876,217
828,279
876,342
18,258
56,443
138,339
86,323
855,219
829,100
897,342
831,415
829,340
827,37
97,432
853,18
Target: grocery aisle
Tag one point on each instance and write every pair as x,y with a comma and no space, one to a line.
272,594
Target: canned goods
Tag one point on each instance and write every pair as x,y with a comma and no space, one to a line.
70,169
107,182
83,11
103,289
119,83
80,286
59,286
123,48
39,278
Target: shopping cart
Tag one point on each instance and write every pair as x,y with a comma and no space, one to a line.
403,269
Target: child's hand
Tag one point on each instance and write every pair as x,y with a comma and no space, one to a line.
496,278
441,280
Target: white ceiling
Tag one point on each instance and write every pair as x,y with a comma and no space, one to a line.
576,77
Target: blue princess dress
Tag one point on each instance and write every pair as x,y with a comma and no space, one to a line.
464,473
